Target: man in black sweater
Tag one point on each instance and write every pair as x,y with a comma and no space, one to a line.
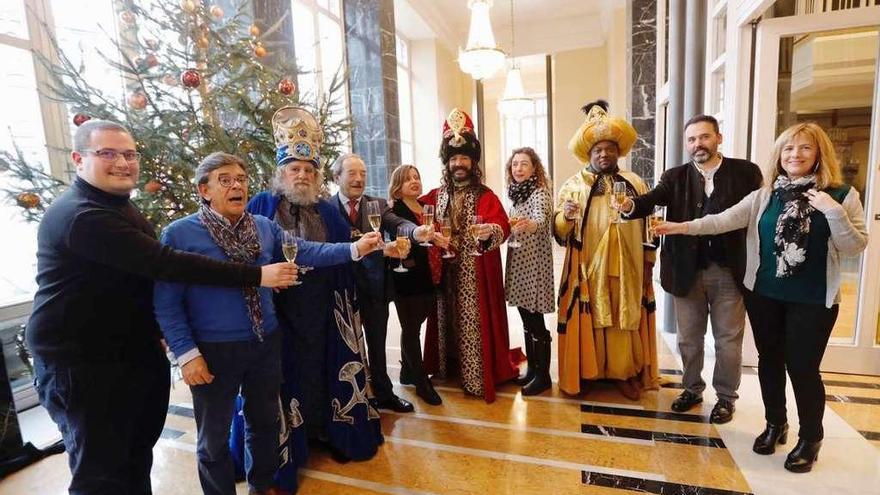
704,273
100,368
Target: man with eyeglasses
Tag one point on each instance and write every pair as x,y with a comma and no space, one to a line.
227,340
100,367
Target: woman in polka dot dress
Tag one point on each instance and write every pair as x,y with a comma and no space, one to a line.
529,279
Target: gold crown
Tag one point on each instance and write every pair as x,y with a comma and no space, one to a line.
298,136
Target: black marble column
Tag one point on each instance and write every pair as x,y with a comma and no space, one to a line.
372,84
642,54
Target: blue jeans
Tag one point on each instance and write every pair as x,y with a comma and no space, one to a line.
254,368
110,415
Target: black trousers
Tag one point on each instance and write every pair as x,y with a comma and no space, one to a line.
412,311
791,336
110,416
374,314
533,325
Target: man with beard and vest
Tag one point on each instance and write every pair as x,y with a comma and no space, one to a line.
606,301
471,321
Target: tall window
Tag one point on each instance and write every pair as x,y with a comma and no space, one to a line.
320,57
404,101
528,129
37,125
716,36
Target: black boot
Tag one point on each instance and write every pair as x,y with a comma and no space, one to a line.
526,377
426,391
801,459
541,363
406,376
766,442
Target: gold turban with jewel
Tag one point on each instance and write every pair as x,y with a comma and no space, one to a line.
599,126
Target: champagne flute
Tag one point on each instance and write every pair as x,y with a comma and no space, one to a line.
474,231
290,248
618,196
428,220
446,231
402,245
375,218
512,242
653,221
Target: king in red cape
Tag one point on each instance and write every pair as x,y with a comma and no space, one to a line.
468,333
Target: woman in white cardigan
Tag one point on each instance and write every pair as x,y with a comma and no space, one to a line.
799,225
528,282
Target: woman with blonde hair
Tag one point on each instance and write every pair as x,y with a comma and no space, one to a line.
414,296
528,282
799,225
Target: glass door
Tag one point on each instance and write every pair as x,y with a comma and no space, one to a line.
823,69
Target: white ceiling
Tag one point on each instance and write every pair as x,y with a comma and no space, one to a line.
542,26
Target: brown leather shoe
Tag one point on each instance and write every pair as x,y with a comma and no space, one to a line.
628,389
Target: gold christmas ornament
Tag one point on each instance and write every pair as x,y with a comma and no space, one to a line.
28,200
260,51
203,42
188,5
255,30
217,12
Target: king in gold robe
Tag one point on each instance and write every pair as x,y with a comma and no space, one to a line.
606,300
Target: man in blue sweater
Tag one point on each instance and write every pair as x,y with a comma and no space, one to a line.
227,339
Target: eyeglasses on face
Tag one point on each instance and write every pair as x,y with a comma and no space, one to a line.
112,155
228,180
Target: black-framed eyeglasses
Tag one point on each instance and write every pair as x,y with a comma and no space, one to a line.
228,180
112,155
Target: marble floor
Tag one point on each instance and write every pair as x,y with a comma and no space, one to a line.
599,443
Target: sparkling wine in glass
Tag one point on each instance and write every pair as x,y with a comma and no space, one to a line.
290,248
618,196
446,231
428,220
653,220
374,215
474,231
402,245
512,241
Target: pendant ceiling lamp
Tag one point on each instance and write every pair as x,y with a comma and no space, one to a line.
482,58
514,101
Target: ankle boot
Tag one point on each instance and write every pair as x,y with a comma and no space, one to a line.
541,362
801,459
766,442
526,377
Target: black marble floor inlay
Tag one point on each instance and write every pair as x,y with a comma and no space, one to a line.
871,435
650,486
642,413
842,383
874,401
672,385
670,371
171,434
181,411
657,436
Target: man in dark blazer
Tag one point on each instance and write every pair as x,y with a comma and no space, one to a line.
374,288
704,274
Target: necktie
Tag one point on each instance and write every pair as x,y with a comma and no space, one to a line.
352,211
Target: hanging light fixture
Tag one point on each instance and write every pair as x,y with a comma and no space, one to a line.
482,58
514,101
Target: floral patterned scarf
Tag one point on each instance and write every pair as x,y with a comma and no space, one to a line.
241,244
793,224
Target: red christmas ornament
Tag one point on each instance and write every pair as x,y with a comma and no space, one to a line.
259,51
28,200
79,118
191,78
153,186
137,101
286,86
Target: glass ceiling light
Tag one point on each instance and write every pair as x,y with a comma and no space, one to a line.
482,58
514,101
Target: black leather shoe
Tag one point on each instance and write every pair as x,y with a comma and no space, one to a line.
766,442
685,401
801,459
395,404
427,393
722,412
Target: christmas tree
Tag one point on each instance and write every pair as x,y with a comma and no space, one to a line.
198,80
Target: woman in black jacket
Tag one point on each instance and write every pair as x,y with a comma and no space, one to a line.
414,289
